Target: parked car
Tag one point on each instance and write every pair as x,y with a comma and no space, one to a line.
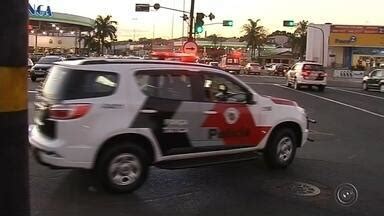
41,68
271,67
307,74
214,64
253,68
374,80
138,113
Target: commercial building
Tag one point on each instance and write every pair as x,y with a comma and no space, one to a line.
54,32
355,47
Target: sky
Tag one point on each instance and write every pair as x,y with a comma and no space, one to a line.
167,24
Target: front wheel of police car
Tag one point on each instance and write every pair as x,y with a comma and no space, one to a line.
123,167
281,148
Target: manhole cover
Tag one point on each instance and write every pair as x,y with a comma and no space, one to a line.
303,189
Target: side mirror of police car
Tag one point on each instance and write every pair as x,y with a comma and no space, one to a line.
250,99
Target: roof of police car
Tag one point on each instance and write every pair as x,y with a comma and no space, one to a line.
112,61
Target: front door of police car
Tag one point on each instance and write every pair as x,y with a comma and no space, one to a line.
228,121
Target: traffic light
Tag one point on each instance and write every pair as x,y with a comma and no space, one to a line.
211,16
199,23
227,23
289,23
142,8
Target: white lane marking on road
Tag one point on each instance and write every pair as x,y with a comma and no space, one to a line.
259,83
321,133
358,93
334,101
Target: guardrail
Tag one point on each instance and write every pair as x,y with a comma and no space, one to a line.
348,74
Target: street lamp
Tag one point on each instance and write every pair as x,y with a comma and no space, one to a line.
134,28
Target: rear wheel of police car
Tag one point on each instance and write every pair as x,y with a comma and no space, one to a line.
281,148
123,167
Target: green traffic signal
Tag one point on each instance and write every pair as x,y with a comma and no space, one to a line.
289,23
227,22
199,29
199,23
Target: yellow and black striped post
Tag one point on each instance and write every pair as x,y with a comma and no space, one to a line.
14,184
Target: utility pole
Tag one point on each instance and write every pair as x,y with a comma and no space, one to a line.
182,28
14,184
191,30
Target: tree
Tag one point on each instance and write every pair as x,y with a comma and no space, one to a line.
278,32
90,42
255,36
289,35
105,29
300,40
214,39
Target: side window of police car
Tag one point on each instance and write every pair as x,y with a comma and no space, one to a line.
221,89
175,86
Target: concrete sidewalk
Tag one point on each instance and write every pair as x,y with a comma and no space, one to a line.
344,82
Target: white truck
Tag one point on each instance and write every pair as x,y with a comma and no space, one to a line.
231,63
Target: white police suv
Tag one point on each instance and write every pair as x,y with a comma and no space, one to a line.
121,116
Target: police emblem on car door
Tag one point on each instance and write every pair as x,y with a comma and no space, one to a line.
228,122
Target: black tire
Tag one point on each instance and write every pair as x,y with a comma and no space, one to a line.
289,85
365,86
296,85
33,78
321,88
273,156
125,151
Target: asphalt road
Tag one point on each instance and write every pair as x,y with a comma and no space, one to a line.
348,149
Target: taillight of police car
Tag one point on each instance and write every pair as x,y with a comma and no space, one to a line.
68,111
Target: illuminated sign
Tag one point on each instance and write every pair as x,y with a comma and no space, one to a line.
356,40
352,39
39,10
357,29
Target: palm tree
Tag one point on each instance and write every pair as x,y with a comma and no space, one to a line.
300,40
255,35
105,29
214,39
90,42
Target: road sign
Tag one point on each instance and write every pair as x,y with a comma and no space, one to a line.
142,7
190,47
156,6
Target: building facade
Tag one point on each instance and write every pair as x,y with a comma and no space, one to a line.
354,47
54,32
